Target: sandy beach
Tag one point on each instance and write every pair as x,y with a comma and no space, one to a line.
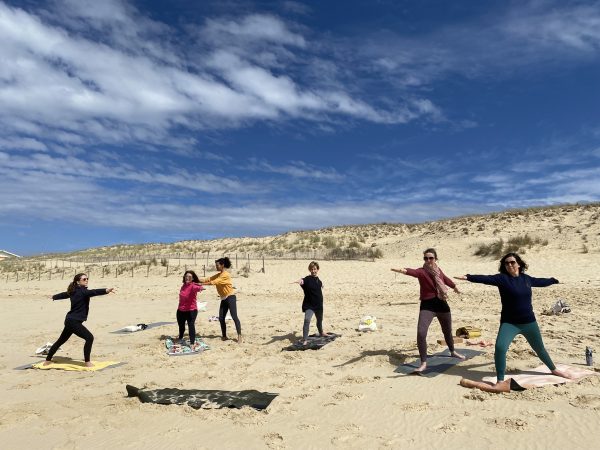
345,395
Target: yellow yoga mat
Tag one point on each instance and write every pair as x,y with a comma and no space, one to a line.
76,366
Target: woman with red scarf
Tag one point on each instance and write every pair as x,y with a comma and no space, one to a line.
434,303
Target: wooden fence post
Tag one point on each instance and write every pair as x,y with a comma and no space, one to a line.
147,270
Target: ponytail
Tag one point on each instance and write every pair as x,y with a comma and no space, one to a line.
73,284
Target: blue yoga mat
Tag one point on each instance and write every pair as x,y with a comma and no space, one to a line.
437,363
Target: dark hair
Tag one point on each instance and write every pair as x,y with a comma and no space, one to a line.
522,264
225,261
73,284
313,264
195,278
431,250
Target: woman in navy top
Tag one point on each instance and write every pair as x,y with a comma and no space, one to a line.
517,315
80,305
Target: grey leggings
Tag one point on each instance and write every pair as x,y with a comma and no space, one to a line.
307,318
425,318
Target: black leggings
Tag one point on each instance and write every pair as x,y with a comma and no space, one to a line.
229,304
190,318
75,327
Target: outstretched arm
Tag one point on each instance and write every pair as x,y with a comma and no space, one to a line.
402,271
104,291
543,282
492,280
61,296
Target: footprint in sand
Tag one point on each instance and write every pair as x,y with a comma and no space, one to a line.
447,428
587,401
417,406
507,423
340,395
274,440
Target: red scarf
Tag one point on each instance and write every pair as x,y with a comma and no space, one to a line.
440,286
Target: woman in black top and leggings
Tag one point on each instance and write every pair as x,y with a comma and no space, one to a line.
313,300
80,305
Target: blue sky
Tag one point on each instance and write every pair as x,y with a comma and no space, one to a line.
153,121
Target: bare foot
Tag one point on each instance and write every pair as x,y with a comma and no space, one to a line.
47,363
89,364
421,368
240,340
560,373
500,386
458,355
304,342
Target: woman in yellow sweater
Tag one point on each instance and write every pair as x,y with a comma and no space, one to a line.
222,281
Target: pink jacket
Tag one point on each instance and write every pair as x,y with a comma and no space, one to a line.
187,296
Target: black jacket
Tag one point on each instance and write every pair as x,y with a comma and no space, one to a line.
80,301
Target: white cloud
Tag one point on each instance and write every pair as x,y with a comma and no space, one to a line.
102,72
525,36
296,169
46,166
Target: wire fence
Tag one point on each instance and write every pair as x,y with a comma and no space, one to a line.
145,265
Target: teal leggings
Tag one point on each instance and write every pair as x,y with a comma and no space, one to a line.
507,333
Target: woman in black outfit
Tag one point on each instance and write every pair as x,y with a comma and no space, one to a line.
80,305
313,300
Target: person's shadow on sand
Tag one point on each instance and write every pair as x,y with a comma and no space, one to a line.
395,358
291,337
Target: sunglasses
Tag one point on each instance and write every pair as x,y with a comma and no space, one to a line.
428,258
509,263
83,279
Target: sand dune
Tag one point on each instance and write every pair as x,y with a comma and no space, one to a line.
345,395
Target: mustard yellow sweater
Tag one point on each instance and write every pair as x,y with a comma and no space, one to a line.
222,281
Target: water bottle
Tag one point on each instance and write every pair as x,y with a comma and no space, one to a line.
589,356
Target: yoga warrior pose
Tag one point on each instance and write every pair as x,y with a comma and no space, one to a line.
434,303
80,305
313,300
187,311
516,317
222,281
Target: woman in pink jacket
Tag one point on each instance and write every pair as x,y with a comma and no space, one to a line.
187,311
434,303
